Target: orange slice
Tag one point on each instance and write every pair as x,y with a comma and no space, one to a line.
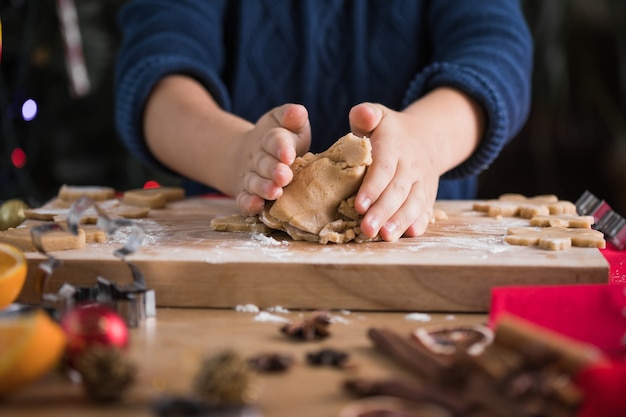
12,273
31,344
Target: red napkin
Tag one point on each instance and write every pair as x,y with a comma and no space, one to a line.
589,313
594,314
617,263
604,388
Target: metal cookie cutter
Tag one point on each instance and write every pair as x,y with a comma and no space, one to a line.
606,219
134,302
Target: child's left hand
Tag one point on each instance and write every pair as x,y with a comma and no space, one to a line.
410,151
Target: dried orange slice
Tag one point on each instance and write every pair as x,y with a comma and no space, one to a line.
31,344
13,268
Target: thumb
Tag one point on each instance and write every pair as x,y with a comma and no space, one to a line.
365,117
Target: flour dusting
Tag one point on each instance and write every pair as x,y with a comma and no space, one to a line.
269,317
339,319
278,309
489,245
268,240
247,308
423,317
150,238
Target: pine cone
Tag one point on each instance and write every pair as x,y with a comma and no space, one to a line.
225,379
105,372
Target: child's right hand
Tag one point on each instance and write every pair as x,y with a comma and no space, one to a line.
266,154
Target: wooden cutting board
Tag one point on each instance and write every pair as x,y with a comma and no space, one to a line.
451,268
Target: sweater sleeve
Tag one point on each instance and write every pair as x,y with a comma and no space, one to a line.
161,38
484,49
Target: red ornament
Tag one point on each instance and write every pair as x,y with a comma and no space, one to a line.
90,324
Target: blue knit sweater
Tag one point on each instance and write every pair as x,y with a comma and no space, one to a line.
329,55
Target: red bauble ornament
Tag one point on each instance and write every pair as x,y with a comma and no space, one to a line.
90,324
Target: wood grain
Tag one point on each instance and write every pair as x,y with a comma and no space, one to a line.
168,350
452,267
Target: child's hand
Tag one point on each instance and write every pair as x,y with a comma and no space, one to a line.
410,151
400,187
267,152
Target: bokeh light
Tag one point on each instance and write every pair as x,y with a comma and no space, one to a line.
18,157
151,184
29,109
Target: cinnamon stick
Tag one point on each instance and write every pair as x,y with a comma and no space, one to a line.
524,336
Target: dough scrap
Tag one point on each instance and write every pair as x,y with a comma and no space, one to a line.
555,238
52,241
94,234
144,198
239,223
70,193
113,208
518,205
563,220
155,198
57,209
339,231
170,193
438,215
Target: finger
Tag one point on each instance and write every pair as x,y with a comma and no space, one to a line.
250,204
295,118
268,167
411,219
262,187
418,227
365,117
382,211
282,144
377,178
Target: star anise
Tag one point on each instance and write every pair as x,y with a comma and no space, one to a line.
313,327
328,357
271,362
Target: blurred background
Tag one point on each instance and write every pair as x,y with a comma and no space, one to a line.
56,103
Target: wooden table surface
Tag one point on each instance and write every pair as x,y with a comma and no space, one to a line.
199,276
452,267
169,347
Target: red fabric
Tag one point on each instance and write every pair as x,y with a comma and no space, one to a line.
575,310
594,314
589,313
617,264
604,388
